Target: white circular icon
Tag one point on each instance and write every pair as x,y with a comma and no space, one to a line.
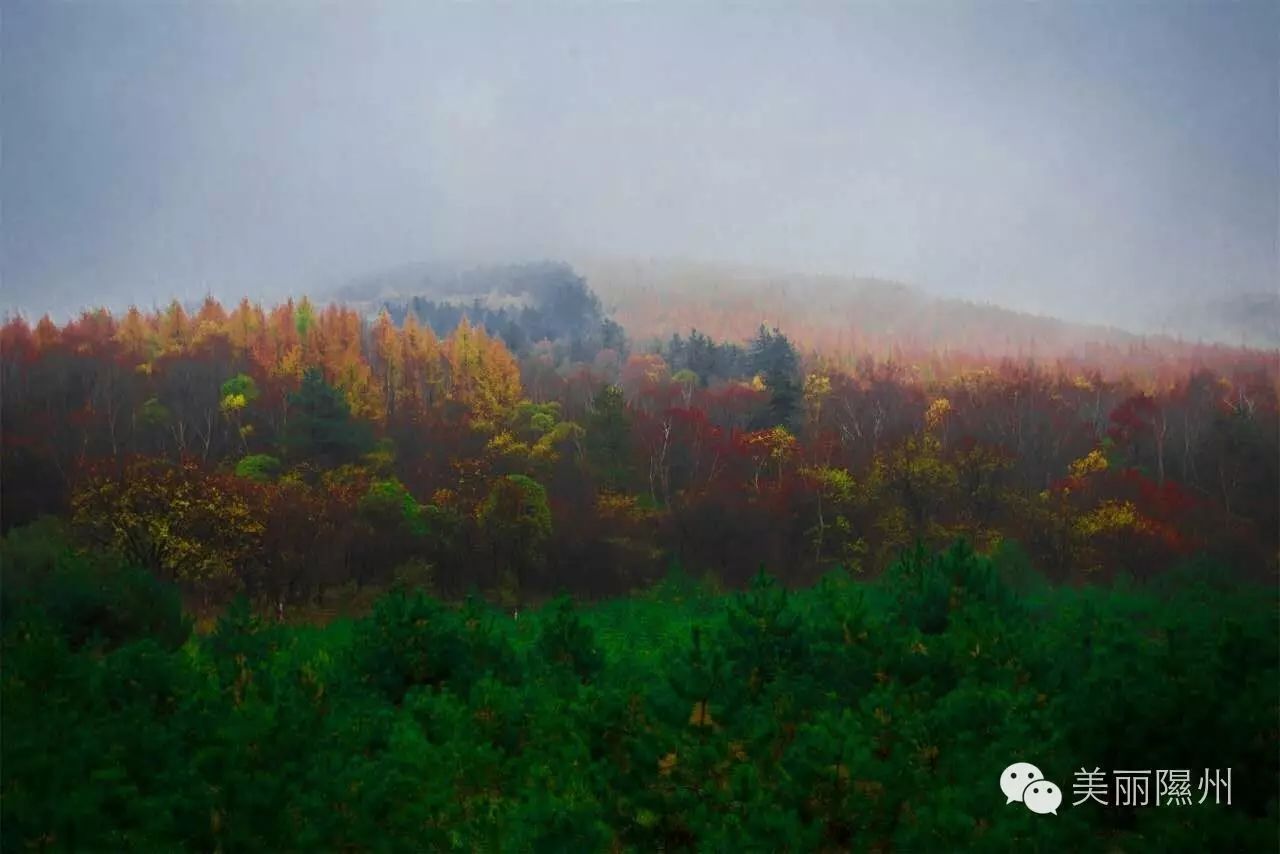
1042,797
1014,779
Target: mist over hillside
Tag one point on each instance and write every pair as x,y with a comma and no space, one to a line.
653,299
1245,320
1092,162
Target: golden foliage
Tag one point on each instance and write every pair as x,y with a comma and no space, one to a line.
1110,517
936,415
1091,463
177,520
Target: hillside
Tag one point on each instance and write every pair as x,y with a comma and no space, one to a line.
837,317
837,313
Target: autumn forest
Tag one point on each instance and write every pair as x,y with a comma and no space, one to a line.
285,452
502,576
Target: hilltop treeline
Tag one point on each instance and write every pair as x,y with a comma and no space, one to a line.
288,451
525,305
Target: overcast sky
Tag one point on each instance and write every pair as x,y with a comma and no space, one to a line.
1081,159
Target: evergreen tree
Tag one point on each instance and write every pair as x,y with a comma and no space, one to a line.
320,426
773,358
608,439
761,636
565,641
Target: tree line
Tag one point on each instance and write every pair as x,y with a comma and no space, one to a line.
290,451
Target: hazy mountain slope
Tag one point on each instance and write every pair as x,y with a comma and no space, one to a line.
830,314
1247,320
825,312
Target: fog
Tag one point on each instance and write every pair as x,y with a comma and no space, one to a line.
1086,160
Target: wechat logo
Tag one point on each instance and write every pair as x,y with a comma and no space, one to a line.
1025,783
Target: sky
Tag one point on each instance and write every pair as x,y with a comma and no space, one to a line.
1090,160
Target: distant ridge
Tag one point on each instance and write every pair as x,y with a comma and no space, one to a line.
654,298
657,297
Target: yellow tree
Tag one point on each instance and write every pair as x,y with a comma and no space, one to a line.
922,481
210,321
247,329
534,439
817,388
345,362
774,445
422,360
175,329
135,336
937,418
241,326
182,523
285,345
387,361
483,375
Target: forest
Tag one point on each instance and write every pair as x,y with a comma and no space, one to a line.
494,575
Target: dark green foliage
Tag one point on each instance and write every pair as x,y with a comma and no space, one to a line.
761,634
241,642
928,586
320,427
564,641
89,599
409,641
559,308
608,439
709,360
486,649
774,360
848,717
